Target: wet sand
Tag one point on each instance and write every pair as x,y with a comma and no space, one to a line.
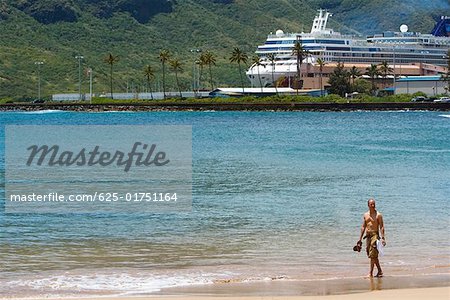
435,287
440,293
316,288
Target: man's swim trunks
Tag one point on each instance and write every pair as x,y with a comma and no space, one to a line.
371,244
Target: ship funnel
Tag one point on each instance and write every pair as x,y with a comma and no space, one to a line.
320,23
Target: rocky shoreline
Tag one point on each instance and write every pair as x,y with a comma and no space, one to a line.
352,106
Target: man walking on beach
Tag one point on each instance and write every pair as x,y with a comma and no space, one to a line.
373,225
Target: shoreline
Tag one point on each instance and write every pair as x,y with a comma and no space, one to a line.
435,293
179,106
313,289
391,287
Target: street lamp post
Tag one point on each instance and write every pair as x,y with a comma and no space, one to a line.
394,83
289,76
195,80
197,64
39,64
80,58
446,76
90,84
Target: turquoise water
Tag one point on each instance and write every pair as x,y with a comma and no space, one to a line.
275,195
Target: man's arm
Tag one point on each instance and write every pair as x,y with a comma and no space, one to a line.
363,229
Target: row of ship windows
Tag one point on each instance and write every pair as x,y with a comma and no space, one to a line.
390,41
344,42
406,51
394,41
291,42
377,60
409,56
381,57
309,48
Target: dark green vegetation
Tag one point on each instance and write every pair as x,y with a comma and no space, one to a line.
342,81
362,98
135,31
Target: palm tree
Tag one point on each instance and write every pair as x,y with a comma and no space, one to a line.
339,80
385,70
164,56
176,66
354,73
256,60
239,57
300,53
271,58
321,63
202,61
210,60
150,74
373,73
111,60
446,76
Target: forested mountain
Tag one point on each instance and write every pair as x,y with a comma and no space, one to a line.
55,31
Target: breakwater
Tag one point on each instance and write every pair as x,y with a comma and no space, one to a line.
242,106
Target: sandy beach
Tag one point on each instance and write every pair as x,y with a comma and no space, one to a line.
391,287
437,293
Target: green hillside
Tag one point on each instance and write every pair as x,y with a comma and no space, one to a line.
55,31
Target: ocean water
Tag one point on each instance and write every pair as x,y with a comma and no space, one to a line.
276,196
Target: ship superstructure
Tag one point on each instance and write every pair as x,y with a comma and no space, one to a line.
396,48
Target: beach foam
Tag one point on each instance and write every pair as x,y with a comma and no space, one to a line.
117,283
107,282
401,149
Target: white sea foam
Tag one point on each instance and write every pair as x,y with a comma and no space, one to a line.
396,263
402,149
113,111
445,116
47,111
113,282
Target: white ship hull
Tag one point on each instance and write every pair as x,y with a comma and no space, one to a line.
332,47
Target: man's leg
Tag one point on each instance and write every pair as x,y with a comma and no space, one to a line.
380,272
372,264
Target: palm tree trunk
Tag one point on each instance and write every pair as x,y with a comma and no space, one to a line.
273,80
111,79
321,85
242,81
298,75
178,84
200,77
164,80
260,82
150,86
210,77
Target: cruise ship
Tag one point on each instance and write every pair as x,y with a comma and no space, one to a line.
398,49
